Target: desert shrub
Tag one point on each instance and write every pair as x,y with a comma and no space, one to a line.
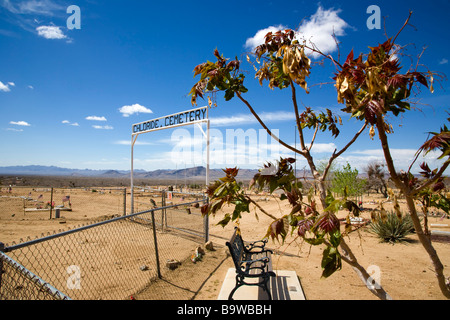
392,228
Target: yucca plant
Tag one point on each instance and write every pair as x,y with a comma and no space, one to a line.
392,228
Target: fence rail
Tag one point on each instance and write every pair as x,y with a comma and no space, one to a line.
18,283
110,259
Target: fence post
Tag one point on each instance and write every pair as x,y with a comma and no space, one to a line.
163,211
206,223
155,240
2,249
51,204
125,201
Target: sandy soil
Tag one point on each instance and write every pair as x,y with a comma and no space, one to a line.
406,271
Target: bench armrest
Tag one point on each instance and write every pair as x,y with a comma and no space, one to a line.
260,244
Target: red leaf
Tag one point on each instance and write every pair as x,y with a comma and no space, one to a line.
438,186
373,109
328,223
420,78
349,58
304,226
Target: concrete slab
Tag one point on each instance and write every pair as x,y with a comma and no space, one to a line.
285,286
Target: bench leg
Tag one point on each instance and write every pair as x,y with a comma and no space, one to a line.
239,283
266,287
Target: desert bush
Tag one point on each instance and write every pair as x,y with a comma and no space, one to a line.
392,228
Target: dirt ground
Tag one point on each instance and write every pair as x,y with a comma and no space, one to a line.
405,269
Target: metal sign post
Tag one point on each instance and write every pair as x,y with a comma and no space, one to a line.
189,117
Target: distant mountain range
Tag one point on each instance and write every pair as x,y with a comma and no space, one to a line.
194,173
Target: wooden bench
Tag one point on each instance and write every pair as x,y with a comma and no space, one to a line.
251,261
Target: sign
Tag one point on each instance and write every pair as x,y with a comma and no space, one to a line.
194,116
174,120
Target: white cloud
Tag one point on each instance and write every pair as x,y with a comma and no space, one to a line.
34,7
402,159
103,127
323,147
128,143
132,109
28,13
396,153
4,87
12,84
75,124
259,37
317,30
30,87
95,118
443,61
50,32
13,129
20,123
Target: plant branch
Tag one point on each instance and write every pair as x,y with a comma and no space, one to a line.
327,56
387,153
337,154
260,208
265,127
423,238
350,258
433,180
414,161
314,137
297,115
404,25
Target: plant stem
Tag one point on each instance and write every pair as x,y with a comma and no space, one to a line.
260,208
264,125
424,239
347,254
349,257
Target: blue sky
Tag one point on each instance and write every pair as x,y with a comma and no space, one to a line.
69,97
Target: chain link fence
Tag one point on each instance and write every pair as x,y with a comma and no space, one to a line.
110,259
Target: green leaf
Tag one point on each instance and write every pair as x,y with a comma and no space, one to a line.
225,220
331,261
334,206
229,94
239,207
293,220
314,241
329,198
335,238
219,192
215,206
273,184
242,89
